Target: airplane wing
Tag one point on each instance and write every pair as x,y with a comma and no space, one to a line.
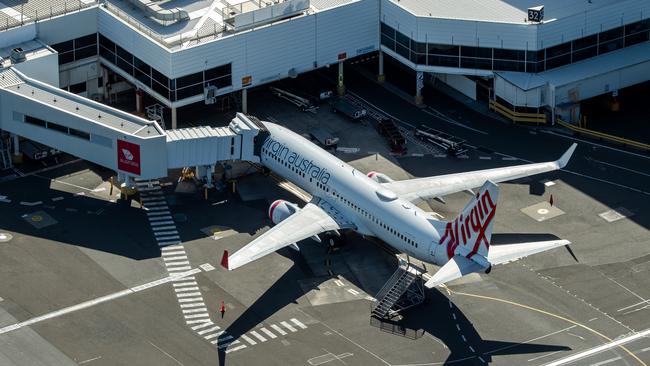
438,186
459,266
310,220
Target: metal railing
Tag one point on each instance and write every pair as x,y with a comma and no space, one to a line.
603,136
518,117
29,15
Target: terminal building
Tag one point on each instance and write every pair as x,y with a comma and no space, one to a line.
543,56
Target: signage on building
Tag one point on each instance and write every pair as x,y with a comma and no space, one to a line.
536,14
343,56
128,157
246,80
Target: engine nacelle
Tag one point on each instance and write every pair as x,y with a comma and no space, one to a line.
280,210
379,177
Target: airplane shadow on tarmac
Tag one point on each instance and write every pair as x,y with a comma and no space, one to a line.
287,290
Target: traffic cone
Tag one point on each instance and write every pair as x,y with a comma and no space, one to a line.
550,200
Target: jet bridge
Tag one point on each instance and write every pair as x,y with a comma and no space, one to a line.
132,146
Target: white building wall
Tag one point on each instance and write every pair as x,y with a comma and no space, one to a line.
134,41
17,35
67,27
41,68
460,83
515,96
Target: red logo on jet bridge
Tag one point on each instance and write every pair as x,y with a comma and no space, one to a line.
128,157
462,229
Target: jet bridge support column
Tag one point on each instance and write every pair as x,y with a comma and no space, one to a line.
17,156
380,76
419,84
340,87
174,118
244,100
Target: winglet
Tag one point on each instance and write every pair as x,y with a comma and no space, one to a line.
224,260
564,159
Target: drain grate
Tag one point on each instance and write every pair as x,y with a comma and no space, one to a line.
616,214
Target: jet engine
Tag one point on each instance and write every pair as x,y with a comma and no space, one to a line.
280,210
379,177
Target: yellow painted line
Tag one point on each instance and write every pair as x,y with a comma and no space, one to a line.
551,315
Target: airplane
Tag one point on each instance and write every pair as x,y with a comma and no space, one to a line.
376,205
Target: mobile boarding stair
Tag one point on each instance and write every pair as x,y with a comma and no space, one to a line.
403,290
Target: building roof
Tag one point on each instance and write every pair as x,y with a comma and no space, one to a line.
499,11
582,70
13,13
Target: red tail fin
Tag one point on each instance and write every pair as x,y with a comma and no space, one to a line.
224,260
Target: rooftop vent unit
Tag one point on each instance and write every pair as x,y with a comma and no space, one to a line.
17,55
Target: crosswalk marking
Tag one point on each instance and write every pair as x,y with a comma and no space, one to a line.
171,253
172,247
164,243
288,326
174,258
168,237
258,336
213,335
179,263
298,323
165,233
153,198
206,324
192,305
223,342
162,228
268,333
184,289
197,310
158,208
159,213
192,278
190,294
156,203
227,344
195,321
194,316
183,284
194,299
278,329
160,218
248,339
179,269
159,223
236,348
202,332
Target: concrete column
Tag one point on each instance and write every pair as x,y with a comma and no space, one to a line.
138,101
419,84
174,119
340,88
244,100
17,157
380,76
104,82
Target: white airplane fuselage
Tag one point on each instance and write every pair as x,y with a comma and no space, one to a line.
373,209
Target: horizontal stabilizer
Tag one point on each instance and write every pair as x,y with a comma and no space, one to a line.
457,267
510,252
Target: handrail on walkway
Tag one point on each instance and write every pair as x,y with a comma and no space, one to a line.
603,136
518,117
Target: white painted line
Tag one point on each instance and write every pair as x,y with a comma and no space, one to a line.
258,336
543,356
298,323
268,333
214,335
183,284
159,208
192,305
158,223
288,326
209,330
149,189
604,347
463,337
278,329
58,198
194,316
159,213
157,203
185,289
472,349
165,243
353,291
184,279
549,183
171,237
485,157
172,247
158,229
165,233
338,282
153,198
248,339
93,302
181,295
194,299
225,342
196,321
206,324
31,203
631,306
173,253
197,310
176,269
236,348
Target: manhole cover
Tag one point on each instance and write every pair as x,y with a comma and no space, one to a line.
5,237
616,214
39,219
